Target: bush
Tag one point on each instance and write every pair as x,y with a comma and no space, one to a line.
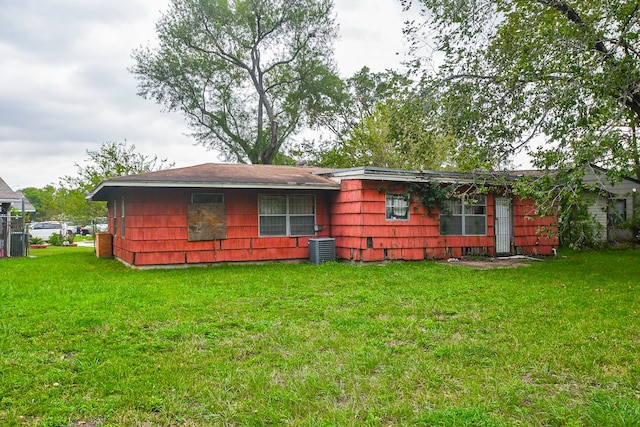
55,239
36,241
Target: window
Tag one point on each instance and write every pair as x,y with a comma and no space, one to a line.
465,216
115,217
286,215
122,217
397,206
207,198
617,212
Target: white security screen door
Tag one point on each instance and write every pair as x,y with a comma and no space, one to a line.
503,225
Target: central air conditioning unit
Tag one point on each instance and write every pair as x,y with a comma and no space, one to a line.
322,250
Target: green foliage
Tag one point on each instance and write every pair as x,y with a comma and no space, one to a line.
564,195
633,223
46,202
360,96
55,239
385,121
431,195
111,160
246,74
36,241
558,79
87,341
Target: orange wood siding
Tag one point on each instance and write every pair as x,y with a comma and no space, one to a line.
156,229
157,233
531,232
363,233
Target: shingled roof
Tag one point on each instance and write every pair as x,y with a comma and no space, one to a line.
216,175
7,195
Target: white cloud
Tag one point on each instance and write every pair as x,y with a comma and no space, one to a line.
65,86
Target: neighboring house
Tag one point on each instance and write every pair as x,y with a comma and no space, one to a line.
28,206
613,203
231,213
10,234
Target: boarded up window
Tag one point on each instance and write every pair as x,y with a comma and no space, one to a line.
207,221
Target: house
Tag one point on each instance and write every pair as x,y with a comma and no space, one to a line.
11,234
28,206
612,203
232,213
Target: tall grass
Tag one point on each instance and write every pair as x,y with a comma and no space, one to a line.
86,341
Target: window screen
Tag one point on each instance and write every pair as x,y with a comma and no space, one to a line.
466,216
397,206
286,215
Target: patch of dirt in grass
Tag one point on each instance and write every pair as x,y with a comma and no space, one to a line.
488,263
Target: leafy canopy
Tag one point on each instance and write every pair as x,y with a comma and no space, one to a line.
385,121
247,74
111,160
559,79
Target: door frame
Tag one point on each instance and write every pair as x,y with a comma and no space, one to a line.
503,240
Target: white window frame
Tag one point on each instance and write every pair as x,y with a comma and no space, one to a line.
467,204
397,201
287,214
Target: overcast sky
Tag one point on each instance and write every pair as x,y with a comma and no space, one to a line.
65,87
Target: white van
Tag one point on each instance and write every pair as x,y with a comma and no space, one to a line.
44,230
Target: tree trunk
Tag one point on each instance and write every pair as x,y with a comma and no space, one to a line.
266,157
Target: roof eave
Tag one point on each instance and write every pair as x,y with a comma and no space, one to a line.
397,175
94,195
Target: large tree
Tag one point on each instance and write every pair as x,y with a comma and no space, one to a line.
558,78
383,119
247,74
45,201
387,122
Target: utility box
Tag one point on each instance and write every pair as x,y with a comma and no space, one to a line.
18,244
322,250
104,245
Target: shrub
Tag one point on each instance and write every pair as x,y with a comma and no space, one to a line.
36,241
55,239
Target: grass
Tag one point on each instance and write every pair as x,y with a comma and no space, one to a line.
88,342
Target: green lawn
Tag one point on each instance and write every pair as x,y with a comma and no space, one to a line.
89,342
